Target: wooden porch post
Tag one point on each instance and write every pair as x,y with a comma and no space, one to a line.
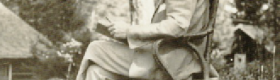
10,71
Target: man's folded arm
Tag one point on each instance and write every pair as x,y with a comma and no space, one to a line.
179,14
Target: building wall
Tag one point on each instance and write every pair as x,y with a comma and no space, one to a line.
15,69
4,71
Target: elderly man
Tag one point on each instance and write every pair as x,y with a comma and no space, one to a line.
106,60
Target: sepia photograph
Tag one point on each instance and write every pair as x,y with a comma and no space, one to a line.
139,39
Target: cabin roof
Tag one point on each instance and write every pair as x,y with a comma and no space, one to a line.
17,38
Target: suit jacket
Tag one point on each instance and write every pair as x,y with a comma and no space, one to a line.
179,18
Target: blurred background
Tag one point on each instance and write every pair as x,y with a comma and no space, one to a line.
46,39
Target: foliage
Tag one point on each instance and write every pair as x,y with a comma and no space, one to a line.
64,22
237,14
56,19
262,16
252,71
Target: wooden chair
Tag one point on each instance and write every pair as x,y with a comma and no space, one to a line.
209,34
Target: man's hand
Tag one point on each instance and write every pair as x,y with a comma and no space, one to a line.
119,30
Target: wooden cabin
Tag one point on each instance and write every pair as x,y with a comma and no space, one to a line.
17,39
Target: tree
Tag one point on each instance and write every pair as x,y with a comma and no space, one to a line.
56,20
260,16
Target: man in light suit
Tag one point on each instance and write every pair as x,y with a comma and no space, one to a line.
106,60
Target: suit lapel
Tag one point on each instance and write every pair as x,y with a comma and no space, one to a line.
157,8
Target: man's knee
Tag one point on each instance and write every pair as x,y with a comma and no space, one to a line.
93,73
93,49
95,44
92,70
98,73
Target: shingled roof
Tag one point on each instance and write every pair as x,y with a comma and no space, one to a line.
16,37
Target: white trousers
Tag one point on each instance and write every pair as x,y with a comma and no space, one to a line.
111,61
